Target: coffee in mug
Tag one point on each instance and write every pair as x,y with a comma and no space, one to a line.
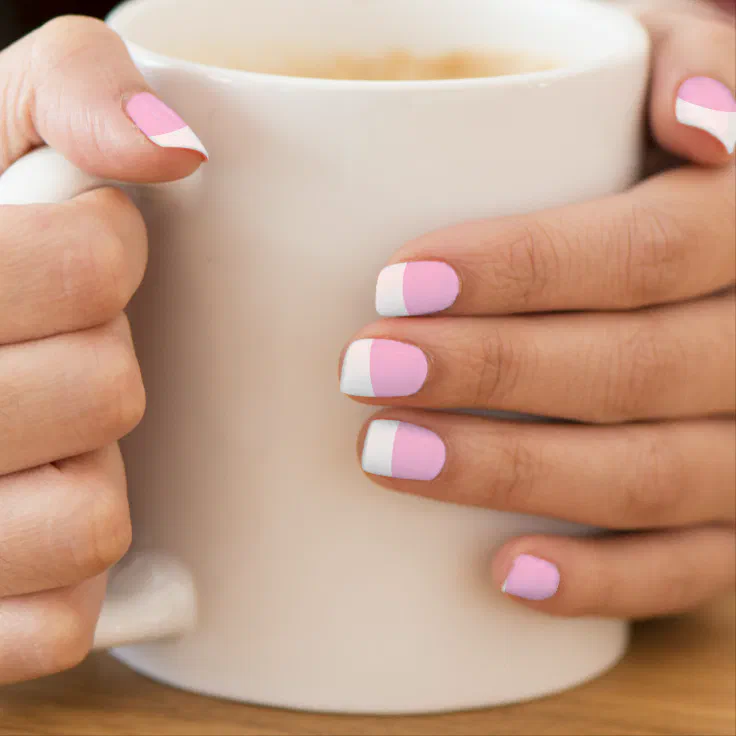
266,567
394,64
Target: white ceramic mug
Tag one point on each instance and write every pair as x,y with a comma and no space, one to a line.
315,588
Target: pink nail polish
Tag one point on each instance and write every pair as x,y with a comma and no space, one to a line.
161,125
708,104
532,578
376,368
414,288
399,450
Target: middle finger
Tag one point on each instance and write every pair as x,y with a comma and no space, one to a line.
67,395
666,362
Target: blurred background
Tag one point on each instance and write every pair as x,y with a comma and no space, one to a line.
18,17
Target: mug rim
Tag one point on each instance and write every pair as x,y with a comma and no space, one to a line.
638,45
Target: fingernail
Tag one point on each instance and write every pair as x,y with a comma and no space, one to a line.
400,450
532,578
160,124
708,104
383,368
418,287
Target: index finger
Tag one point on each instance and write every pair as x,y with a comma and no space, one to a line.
669,239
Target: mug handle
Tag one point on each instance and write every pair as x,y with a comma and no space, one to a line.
150,595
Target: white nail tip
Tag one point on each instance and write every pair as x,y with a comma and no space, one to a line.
378,448
390,291
182,138
720,124
356,370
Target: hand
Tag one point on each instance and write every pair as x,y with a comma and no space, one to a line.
616,314
70,386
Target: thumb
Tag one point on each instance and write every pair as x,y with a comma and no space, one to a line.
71,84
692,108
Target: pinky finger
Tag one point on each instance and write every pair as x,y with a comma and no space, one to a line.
632,575
44,633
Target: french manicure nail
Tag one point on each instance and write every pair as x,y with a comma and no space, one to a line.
708,104
414,288
532,578
161,125
374,368
400,450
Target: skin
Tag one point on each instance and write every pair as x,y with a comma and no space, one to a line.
70,386
648,341
618,315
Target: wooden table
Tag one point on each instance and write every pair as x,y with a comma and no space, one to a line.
679,677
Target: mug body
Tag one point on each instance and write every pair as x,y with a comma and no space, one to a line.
317,589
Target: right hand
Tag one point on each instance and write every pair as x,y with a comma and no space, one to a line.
70,386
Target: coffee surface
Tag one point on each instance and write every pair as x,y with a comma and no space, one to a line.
394,65
403,65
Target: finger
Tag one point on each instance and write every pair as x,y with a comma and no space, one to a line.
63,523
692,107
668,362
48,632
69,266
67,395
727,6
636,575
635,476
668,239
72,85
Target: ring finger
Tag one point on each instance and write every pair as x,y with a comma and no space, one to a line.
636,476
666,362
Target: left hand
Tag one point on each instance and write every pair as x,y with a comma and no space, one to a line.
617,314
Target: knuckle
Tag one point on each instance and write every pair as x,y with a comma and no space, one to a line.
93,533
605,597
602,589
499,369
525,261
654,255
640,371
65,640
679,589
515,473
120,396
651,492
664,474
94,267
110,531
